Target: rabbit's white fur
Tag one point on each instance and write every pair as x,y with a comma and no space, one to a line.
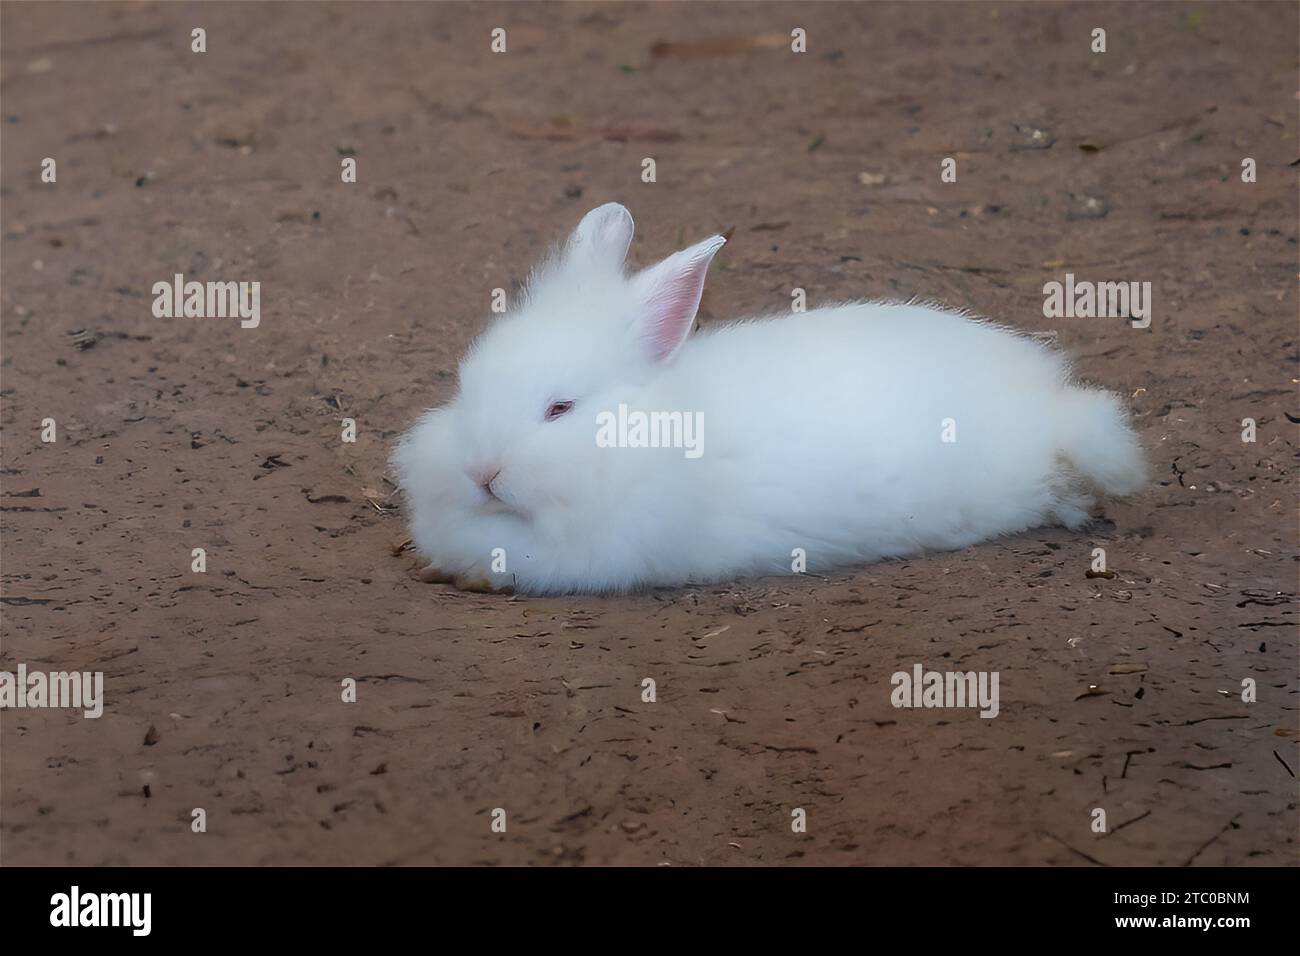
823,431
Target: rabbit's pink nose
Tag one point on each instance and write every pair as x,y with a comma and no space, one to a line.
483,476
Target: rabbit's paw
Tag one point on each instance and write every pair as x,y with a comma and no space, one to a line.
477,583
435,575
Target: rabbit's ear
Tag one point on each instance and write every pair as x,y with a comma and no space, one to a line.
602,237
669,294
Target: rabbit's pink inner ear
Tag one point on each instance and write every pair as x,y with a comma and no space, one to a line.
670,295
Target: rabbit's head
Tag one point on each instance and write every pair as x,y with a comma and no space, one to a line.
584,337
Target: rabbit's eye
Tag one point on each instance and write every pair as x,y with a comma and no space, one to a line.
557,409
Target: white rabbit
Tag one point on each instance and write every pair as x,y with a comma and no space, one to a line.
838,436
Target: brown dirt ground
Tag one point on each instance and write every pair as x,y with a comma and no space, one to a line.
772,694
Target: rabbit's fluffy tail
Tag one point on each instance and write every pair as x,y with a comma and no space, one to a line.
1099,443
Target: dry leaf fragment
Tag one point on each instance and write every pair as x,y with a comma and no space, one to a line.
1131,668
720,46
